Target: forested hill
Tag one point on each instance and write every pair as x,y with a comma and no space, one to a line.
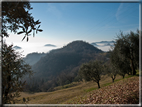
32,58
61,66
62,59
79,47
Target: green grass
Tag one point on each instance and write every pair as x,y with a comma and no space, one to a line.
107,84
66,86
90,89
137,72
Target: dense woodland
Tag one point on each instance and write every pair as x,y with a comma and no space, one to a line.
32,58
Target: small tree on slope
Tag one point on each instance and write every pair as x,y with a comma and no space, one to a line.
91,71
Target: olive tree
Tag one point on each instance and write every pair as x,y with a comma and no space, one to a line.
127,46
91,71
110,70
120,63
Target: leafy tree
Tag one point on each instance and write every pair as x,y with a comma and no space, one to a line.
17,19
111,70
120,63
91,71
13,69
128,47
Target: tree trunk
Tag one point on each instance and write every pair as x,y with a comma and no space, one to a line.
7,90
112,79
132,66
132,62
98,84
123,76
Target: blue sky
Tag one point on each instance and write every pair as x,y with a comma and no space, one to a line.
92,22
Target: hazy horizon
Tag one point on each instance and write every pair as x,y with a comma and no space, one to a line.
40,48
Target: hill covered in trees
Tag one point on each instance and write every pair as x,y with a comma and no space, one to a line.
60,66
33,58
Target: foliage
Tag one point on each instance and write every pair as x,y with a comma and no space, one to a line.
120,63
13,69
126,51
91,71
17,19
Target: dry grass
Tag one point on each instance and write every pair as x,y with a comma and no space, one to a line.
68,95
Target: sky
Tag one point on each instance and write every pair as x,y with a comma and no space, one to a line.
63,23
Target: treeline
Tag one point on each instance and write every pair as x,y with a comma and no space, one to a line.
44,85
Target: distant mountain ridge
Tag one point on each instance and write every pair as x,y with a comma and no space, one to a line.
50,45
34,57
17,47
103,43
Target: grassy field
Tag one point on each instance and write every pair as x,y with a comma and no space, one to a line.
76,93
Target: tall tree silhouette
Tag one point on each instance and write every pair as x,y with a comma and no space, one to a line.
127,47
13,69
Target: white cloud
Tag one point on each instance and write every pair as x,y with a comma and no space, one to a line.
35,44
119,11
124,11
105,48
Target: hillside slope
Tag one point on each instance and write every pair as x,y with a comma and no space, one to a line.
125,91
65,59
